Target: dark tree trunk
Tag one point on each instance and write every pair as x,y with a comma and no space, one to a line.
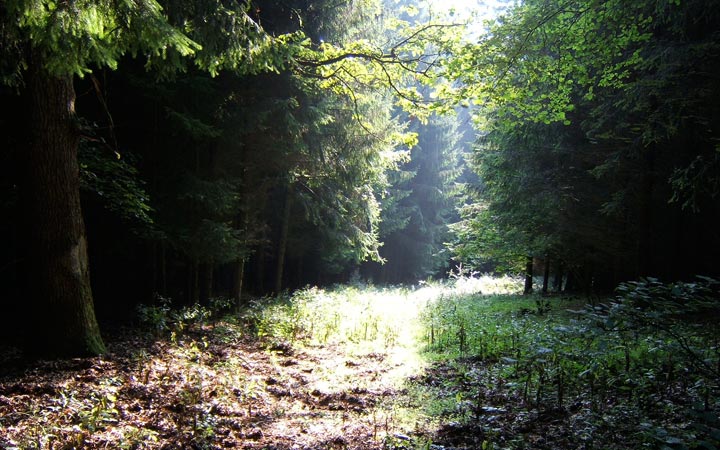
645,220
546,276
282,245
57,262
528,276
261,264
239,280
261,252
194,281
208,281
163,269
571,284
557,282
154,267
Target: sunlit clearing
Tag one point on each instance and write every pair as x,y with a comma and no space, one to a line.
488,285
462,283
379,324
370,323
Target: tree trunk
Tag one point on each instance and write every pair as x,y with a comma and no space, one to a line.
571,281
208,281
195,282
528,276
282,246
546,276
557,283
58,271
154,269
239,279
260,262
645,257
163,269
261,252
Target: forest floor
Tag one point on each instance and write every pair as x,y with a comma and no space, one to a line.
354,370
211,389
213,385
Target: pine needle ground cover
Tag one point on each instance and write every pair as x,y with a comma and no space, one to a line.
469,365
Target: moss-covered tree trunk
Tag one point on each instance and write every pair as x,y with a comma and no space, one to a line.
63,314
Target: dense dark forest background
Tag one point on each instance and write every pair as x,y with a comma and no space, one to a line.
600,154
596,157
197,185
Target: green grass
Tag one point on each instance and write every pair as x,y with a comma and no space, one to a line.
642,362
640,366
370,318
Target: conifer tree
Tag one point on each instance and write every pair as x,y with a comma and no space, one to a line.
427,193
46,45
598,133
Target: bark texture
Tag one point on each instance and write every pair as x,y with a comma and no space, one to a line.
58,271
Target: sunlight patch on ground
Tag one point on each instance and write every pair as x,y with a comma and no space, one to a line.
470,285
373,324
488,285
383,324
351,350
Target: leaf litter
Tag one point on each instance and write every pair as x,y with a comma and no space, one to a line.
203,391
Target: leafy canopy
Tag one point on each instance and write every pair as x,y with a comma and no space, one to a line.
71,38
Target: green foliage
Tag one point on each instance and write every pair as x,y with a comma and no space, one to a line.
535,58
103,412
240,114
462,325
593,116
70,39
664,310
343,315
341,173
115,181
651,353
697,182
422,202
161,317
73,39
479,241
157,317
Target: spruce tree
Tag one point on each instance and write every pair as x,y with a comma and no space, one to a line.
46,45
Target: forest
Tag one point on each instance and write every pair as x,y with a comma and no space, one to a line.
359,224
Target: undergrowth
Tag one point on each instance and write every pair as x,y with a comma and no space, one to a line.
367,318
473,364
638,371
